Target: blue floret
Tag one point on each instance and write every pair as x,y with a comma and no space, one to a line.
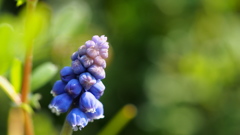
77,67
87,80
76,118
88,103
73,88
97,89
58,88
61,103
67,74
98,114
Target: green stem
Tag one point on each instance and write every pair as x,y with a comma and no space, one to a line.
28,123
121,119
31,5
66,129
27,74
16,121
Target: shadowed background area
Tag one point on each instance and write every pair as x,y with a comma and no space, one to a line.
177,62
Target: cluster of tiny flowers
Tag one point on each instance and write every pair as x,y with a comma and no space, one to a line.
80,86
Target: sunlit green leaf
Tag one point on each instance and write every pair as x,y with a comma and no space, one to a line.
34,100
16,74
6,34
70,18
36,23
20,2
9,90
42,74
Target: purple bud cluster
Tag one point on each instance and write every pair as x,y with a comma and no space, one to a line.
80,86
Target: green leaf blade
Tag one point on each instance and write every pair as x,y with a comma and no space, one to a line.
42,74
16,74
6,55
9,90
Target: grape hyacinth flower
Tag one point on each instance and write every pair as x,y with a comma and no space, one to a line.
88,102
67,74
73,88
81,87
77,118
86,80
60,103
97,89
77,67
58,88
98,114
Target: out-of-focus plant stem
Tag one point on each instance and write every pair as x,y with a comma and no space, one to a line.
31,4
28,123
121,119
66,129
16,121
27,74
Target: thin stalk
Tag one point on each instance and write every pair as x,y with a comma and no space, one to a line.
31,5
121,119
27,74
16,121
28,123
66,129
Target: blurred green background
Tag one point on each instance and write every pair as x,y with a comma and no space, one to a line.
177,61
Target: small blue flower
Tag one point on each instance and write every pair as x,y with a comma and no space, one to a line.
103,53
99,40
98,114
67,74
88,102
60,103
76,118
58,88
95,38
97,89
86,61
82,50
92,52
104,45
77,67
89,44
97,71
73,88
74,56
100,61
86,80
